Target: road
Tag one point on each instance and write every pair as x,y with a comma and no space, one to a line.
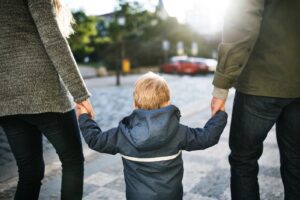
206,174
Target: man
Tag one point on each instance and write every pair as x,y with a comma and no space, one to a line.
260,57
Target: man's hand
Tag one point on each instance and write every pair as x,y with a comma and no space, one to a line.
86,107
216,105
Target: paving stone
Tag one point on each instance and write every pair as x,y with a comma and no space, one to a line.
118,184
89,188
106,194
270,188
193,173
226,195
100,179
269,171
192,196
214,184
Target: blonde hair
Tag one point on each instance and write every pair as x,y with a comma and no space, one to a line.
151,91
64,18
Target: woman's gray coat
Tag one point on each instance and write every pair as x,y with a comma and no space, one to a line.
37,70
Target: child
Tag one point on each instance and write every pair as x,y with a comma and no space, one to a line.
150,141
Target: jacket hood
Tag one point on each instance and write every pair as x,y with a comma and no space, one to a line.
151,129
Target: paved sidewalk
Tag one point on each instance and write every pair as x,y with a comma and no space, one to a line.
206,172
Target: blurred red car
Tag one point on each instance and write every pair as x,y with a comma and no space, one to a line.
183,65
210,62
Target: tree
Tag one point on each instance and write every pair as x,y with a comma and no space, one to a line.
140,37
85,39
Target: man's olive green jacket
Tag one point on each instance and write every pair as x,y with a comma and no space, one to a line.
260,49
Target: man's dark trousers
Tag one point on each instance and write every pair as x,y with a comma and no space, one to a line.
252,119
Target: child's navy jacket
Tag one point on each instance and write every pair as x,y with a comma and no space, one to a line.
150,142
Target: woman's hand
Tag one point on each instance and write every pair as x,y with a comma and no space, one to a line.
85,107
80,110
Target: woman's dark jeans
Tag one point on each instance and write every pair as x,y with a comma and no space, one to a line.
24,133
252,119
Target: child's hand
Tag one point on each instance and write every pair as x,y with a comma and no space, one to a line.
80,110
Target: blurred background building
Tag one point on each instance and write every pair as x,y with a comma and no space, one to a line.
161,10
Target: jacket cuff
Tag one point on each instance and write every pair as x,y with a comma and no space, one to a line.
221,112
82,98
83,117
222,81
220,93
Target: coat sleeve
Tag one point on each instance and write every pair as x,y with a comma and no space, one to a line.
104,142
241,28
57,47
202,138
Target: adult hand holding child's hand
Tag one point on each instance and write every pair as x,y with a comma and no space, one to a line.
216,105
85,107
80,110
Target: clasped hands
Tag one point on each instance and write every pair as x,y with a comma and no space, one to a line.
85,107
216,105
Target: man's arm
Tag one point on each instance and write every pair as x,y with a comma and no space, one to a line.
104,142
241,29
202,138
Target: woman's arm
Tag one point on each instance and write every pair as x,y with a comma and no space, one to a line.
57,48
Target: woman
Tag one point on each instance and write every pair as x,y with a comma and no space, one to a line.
39,83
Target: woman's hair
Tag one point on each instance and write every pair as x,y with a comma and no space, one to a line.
64,18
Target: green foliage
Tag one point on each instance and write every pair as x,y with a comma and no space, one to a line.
85,39
139,38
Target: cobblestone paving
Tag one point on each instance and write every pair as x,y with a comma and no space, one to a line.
206,172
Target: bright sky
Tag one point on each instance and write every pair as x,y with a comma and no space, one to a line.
212,10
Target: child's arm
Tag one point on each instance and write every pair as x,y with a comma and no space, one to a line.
104,142
202,138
